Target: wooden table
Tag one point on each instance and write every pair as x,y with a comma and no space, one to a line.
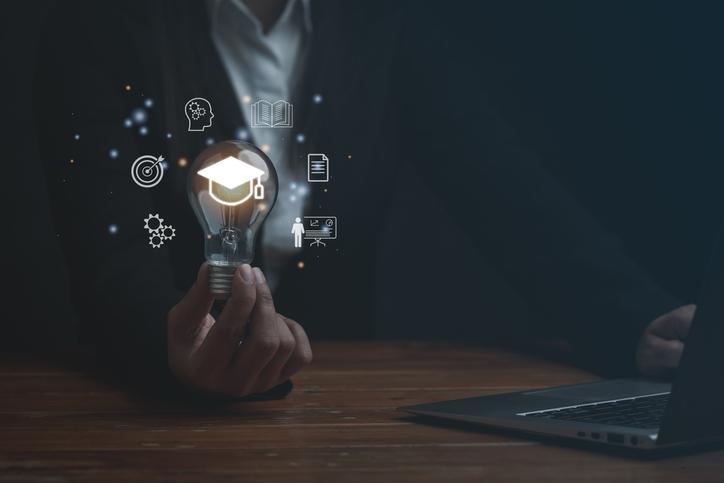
339,424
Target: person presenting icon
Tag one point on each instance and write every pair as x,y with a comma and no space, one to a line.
298,230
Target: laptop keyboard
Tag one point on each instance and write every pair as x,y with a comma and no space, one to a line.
638,412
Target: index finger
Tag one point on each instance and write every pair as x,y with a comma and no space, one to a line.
222,341
262,343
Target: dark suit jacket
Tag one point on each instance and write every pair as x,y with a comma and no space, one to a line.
397,88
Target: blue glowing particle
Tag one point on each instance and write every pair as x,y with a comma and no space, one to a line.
242,134
164,165
168,135
127,122
209,141
301,137
302,190
317,98
139,116
148,103
112,228
293,186
76,137
143,130
292,198
113,153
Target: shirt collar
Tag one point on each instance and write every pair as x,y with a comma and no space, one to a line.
253,22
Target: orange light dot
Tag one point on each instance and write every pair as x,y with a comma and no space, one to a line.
265,148
349,156
72,161
246,99
300,265
127,87
183,162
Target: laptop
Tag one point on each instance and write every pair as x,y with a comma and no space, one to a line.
636,414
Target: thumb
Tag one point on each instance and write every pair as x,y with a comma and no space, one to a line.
224,336
674,325
197,302
239,306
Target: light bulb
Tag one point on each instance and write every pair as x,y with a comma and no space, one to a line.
232,187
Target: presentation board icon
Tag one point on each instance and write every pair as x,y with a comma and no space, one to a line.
318,228
267,114
317,168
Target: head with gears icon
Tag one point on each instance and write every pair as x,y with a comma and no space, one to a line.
199,114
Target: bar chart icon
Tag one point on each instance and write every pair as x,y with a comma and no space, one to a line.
317,168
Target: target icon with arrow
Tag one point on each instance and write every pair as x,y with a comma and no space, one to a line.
147,171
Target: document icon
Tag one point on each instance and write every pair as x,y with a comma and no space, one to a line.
317,168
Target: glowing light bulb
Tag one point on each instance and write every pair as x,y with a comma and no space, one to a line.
232,188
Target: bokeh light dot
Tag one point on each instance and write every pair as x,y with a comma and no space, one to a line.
242,134
139,116
113,153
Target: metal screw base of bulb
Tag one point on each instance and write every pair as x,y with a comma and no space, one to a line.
220,278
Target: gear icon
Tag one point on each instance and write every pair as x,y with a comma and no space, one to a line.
155,240
153,223
194,106
157,231
198,113
167,232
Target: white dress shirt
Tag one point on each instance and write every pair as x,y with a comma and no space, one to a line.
267,66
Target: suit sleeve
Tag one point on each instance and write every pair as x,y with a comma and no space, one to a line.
574,273
122,289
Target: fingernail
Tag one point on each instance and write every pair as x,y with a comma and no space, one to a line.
259,275
246,275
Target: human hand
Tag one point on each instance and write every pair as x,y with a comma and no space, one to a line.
250,349
662,343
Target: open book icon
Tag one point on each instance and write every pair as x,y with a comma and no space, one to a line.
266,114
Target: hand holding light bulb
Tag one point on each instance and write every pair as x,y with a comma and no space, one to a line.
249,349
232,187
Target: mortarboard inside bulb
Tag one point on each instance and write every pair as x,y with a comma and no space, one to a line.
232,187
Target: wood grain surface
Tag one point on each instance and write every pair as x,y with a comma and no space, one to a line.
339,424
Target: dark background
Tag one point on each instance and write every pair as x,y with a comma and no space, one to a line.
621,100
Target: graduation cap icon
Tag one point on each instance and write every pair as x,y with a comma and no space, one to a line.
232,181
